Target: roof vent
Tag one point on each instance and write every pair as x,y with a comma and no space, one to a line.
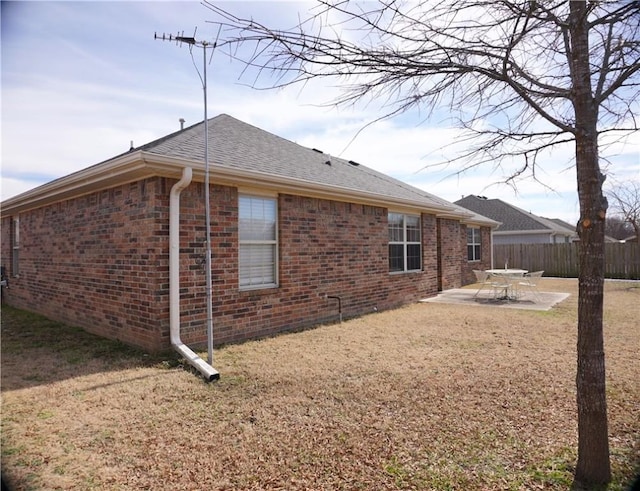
181,124
131,147
355,164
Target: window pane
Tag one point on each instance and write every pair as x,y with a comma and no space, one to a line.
413,229
15,266
473,244
396,257
257,218
413,257
257,233
257,264
396,227
405,242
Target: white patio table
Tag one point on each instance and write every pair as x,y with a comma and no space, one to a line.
505,285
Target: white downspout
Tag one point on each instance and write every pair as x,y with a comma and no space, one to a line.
192,358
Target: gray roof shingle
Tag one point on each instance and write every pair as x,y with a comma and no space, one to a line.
237,145
513,219
240,150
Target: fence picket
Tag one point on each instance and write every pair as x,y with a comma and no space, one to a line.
622,260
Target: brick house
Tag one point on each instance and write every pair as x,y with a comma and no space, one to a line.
289,226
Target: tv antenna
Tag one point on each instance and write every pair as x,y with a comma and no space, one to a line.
192,42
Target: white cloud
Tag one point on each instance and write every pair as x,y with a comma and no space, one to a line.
79,85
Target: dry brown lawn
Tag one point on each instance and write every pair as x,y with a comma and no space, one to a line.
430,396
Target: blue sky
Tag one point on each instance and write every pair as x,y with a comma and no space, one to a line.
81,80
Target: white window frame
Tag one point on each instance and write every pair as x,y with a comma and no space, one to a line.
257,281
474,240
15,247
404,242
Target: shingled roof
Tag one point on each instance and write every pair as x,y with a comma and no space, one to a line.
512,218
234,144
242,154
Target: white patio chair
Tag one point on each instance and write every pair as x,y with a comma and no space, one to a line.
501,285
484,279
530,284
514,280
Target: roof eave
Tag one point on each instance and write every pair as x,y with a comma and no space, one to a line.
531,232
283,184
125,168
140,165
484,222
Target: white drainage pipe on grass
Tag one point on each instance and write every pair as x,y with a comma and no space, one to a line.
207,371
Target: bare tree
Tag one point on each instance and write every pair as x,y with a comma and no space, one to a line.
518,77
625,203
617,227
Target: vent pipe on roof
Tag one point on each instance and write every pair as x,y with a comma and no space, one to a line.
181,124
207,371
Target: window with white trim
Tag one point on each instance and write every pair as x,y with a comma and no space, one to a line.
258,242
405,243
474,243
15,247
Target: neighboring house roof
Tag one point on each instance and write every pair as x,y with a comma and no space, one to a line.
562,223
572,228
513,219
243,155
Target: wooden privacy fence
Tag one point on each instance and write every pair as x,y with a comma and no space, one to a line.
622,261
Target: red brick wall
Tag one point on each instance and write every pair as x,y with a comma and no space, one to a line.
101,262
450,253
98,261
325,248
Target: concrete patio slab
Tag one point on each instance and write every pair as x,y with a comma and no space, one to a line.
465,296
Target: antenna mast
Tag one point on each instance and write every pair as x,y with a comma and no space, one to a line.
191,41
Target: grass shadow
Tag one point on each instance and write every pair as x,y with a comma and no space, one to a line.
36,350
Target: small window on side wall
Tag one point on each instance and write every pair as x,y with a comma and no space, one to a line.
258,241
15,247
474,244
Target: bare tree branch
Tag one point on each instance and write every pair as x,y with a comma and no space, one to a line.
458,55
624,198
519,78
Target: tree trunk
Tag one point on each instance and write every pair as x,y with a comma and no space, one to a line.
593,465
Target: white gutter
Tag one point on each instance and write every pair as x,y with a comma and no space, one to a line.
193,359
139,164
